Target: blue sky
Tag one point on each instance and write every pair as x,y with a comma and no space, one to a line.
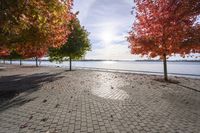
108,22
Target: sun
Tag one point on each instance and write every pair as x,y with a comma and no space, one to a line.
107,36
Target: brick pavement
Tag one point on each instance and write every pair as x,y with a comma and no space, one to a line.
51,100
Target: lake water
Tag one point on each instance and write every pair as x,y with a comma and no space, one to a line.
191,69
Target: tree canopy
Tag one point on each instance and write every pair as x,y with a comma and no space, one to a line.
30,25
76,46
165,27
4,52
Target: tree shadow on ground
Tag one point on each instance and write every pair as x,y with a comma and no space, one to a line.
13,85
32,66
176,82
70,71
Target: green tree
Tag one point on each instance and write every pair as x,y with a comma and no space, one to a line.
76,46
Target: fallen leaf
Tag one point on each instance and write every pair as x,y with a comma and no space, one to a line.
44,101
24,125
44,119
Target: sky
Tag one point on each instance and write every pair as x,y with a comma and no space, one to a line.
108,22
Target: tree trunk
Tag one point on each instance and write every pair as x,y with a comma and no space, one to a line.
20,62
36,61
165,67
10,61
4,61
70,63
40,62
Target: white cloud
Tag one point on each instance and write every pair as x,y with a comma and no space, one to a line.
84,7
112,51
108,22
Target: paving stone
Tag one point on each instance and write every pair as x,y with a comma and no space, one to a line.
137,103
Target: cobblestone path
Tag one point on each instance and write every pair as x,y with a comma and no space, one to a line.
52,100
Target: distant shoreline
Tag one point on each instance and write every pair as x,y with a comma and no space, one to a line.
117,60
192,76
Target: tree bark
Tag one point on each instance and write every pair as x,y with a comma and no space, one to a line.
165,67
70,63
20,62
36,61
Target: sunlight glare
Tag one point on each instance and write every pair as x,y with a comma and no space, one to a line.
107,36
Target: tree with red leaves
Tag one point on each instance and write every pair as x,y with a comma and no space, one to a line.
31,26
164,28
4,53
28,51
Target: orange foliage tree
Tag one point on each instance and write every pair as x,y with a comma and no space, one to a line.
164,28
28,51
32,26
4,53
